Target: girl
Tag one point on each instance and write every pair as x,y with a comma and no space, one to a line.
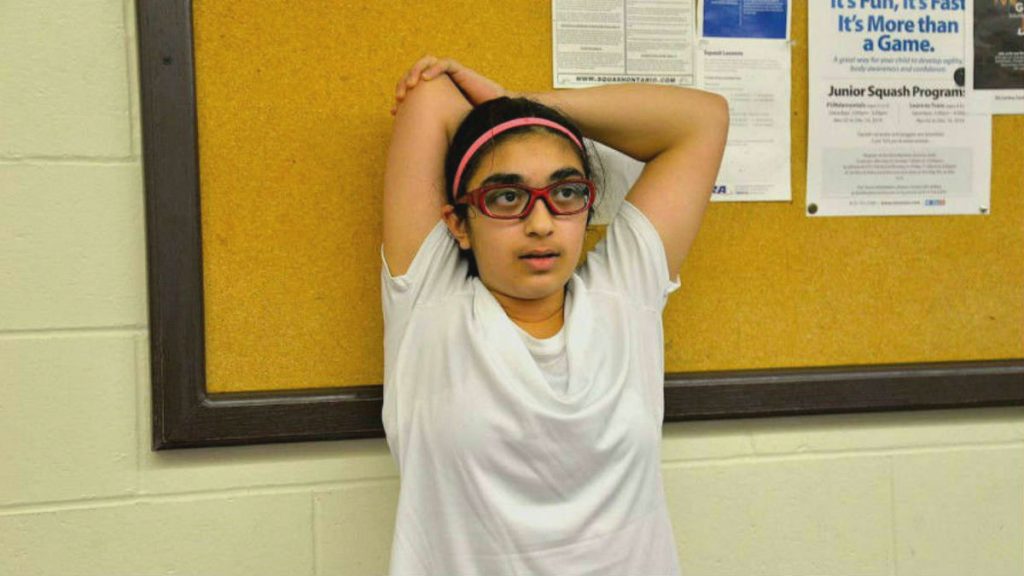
523,398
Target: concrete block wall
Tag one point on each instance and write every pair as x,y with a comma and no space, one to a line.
81,494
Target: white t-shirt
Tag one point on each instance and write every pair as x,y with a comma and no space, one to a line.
550,356
501,473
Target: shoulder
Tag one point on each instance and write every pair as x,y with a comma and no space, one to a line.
630,260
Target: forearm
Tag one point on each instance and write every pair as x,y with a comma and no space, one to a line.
426,119
424,124
414,176
642,121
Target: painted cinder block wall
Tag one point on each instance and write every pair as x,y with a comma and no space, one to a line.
81,494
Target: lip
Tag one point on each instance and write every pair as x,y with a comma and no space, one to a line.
539,252
540,260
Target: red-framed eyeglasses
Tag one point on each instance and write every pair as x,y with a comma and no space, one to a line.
514,201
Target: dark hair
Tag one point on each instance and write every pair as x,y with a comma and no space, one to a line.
485,117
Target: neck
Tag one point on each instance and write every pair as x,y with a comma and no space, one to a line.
541,318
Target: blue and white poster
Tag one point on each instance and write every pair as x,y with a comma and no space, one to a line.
746,19
888,132
744,55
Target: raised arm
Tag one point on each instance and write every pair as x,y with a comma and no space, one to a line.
414,195
680,133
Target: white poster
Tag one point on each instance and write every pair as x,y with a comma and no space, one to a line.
888,129
616,41
994,46
754,76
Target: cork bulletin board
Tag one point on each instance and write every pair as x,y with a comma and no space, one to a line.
272,190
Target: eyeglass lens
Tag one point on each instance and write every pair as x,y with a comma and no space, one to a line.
512,200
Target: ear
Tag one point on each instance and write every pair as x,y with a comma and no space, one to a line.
458,227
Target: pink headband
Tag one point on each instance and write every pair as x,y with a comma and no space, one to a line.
505,126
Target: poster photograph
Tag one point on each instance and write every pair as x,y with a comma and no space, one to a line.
996,57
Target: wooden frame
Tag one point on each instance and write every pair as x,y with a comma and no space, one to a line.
185,415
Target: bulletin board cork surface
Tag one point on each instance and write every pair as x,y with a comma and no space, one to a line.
293,103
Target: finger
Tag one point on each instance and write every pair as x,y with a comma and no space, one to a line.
411,78
418,68
408,79
434,71
443,66
424,62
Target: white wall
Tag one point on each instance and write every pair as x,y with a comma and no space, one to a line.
922,494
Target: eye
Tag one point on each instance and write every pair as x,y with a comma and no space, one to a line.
506,200
570,192
505,196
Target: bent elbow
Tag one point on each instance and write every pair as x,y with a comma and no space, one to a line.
716,119
718,113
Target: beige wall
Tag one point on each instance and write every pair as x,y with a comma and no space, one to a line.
922,494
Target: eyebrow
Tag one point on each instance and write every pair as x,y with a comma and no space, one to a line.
512,178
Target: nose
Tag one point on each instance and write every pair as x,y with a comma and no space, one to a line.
539,222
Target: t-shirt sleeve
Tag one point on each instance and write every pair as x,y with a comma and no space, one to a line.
631,259
435,271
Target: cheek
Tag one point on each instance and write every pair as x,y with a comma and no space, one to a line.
487,245
579,237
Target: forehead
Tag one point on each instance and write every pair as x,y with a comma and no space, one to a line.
533,155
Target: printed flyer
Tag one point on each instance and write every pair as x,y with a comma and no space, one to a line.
995,56
754,76
618,41
888,128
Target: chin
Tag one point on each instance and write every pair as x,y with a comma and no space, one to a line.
532,288
540,293
539,287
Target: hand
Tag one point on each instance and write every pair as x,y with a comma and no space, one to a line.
411,79
476,88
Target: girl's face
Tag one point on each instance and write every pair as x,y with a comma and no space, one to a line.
531,258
